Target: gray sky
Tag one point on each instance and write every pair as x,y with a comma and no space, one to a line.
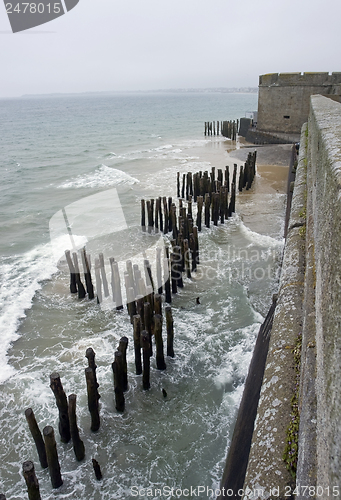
104,45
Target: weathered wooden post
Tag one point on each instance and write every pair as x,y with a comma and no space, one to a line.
160,360
61,401
178,266
78,445
87,275
173,264
178,183
187,259
165,213
170,221
148,273
73,281
52,457
207,210
31,481
97,469
122,347
118,370
131,304
91,385
158,303
90,355
200,201
137,343
148,317
117,285
140,309
143,215
168,295
37,437
157,215
170,331
241,179
196,242
158,270
104,277
80,286
183,186
149,216
98,281
146,360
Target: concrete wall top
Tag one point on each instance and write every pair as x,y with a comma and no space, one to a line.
308,78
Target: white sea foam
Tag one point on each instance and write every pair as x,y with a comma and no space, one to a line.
262,240
21,277
103,176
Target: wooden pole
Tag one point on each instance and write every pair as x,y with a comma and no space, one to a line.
173,264
91,385
90,355
158,303
160,360
97,469
78,445
118,370
170,331
165,213
178,182
98,281
62,405
31,481
117,286
148,323
37,437
131,303
146,360
137,343
52,457
143,215
183,186
80,286
207,210
73,281
158,270
122,347
187,259
200,201
168,295
104,277
87,275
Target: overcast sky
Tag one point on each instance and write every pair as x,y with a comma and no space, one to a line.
104,45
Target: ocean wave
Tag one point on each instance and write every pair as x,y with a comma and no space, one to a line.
103,176
21,277
261,240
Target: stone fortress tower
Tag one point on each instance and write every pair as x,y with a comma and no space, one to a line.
283,103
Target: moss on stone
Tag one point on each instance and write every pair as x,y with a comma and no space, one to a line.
290,454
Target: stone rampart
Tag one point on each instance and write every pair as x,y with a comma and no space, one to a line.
283,101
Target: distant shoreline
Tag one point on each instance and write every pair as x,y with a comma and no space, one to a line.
217,90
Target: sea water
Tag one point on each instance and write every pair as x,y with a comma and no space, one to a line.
62,152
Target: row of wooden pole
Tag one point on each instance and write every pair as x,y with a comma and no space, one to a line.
225,128
184,256
147,323
68,429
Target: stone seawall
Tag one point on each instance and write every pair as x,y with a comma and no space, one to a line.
299,411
